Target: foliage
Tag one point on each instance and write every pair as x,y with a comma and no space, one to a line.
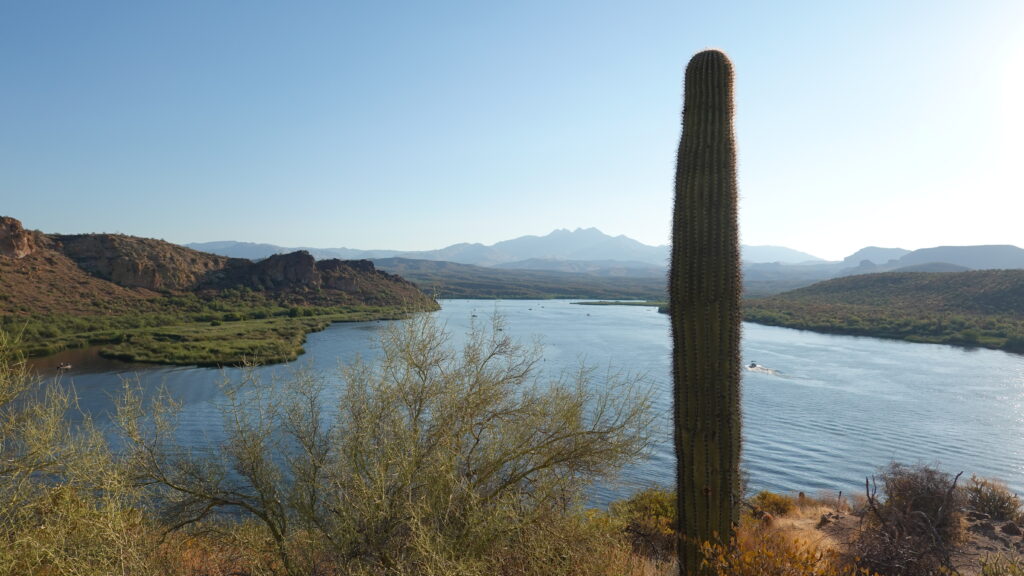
436,459
227,328
979,308
772,503
1002,566
916,528
761,552
704,294
993,498
65,507
649,517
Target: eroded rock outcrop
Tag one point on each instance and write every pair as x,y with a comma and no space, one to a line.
293,271
322,282
139,262
15,241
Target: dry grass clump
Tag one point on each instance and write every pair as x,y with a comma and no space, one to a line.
761,550
1002,566
772,503
916,529
993,498
788,544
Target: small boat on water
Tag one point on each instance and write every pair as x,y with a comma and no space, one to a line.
755,367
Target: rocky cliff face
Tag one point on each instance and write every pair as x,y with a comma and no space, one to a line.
15,241
360,279
37,279
294,271
92,273
138,262
322,282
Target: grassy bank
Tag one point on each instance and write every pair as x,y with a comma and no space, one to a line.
189,329
979,308
264,341
993,331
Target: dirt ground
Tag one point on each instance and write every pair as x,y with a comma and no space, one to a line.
986,540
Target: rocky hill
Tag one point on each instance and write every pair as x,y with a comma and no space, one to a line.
15,241
36,278
104,273
139,262
970,308
319,282
970,292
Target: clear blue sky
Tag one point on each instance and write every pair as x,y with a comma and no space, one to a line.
414,125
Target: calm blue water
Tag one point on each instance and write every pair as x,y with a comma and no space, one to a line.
831,410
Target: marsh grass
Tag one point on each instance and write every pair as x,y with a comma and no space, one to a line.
187,329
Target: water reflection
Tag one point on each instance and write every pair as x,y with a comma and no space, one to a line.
837,409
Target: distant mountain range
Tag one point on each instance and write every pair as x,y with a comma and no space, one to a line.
765,279
561,250
561,245
767,269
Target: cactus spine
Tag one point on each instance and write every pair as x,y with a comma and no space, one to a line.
704,292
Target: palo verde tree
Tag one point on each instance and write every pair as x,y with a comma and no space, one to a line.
433,459
704,292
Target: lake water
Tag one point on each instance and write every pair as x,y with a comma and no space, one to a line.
826,412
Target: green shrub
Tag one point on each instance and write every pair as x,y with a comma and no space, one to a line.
1014,344
992,497
649,518
436,460
66,507
772,503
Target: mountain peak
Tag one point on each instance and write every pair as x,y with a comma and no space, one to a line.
771,254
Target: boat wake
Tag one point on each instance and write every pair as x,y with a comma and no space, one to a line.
755,367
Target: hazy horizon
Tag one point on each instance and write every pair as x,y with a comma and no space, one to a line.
416,126
376,249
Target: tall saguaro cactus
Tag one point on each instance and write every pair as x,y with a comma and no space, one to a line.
704,292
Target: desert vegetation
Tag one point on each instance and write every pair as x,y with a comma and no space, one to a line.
227,328
704,294
439,460
147,300
979,308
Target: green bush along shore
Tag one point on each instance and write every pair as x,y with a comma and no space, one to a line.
231,328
